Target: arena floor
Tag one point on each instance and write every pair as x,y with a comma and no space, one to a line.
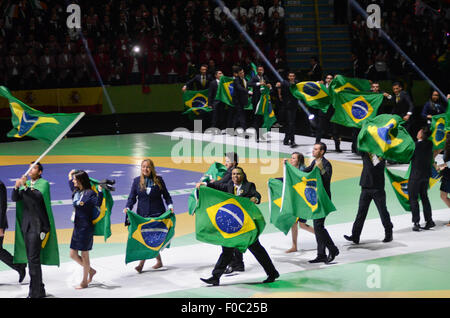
414,264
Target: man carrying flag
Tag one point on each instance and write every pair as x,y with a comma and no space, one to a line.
35,238
260,83
322,237
372,188
240,187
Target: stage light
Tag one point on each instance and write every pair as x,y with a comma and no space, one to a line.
311,116
136,49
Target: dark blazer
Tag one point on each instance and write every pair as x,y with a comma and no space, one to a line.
149,205
256,88
195,83
34,217
84,214
316,73
248,189
326,177
3,207
212,93
404,105
372,177
289,101
226,177
421,160
240,93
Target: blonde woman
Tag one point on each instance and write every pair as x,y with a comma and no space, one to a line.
148,190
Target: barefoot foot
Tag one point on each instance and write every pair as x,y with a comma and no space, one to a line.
291,250
157,265
138,269
92,272
82,285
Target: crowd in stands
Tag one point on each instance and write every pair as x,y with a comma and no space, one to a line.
132,41
420,28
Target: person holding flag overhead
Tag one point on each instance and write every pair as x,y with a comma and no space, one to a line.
323,238
372,188
5,256
148,190
85,200
35,238
241,187
419,179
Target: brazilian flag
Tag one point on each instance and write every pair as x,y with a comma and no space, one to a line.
196,103
215,172
438,131
353,108
102,216
304,195
264,108
435,176
27,121
49,245
400,186
342,83
147,237
284,221
314,94
225,90
227,220
385,137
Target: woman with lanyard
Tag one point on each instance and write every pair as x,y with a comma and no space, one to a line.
148,190
85,201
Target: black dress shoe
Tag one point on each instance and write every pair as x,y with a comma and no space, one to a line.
416,227
333,253
285,143
293,144
319,259
211,281
429,225
352,239
22,272
271,278
387,237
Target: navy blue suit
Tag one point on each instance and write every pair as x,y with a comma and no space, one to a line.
148,205
83,231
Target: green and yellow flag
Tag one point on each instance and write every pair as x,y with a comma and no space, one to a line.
304,195
283,222
264,108
353,108
400,186
385,137
215,172
27,121
195,103
49,245
342,83
314,94
227,220
225,90
102,216
438,131
147,237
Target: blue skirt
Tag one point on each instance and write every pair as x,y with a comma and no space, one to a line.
82,238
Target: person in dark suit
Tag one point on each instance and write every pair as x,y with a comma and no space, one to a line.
85,200
324,121
200,81
5,256
148,190
218,108
433,107
315,74
289,106
240,186
419,179
403,105
323,238
240,98
372,188
35,223
257,82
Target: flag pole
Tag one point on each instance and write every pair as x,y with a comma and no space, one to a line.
61,135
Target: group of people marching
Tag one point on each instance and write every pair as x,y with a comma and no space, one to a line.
149,190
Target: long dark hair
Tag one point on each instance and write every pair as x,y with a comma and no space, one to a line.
83,179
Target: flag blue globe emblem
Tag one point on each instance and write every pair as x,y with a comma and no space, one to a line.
383,133
404,187
311,89
360,109
311,192
199,101
440,132
26,123
231,88
230,218
154,233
